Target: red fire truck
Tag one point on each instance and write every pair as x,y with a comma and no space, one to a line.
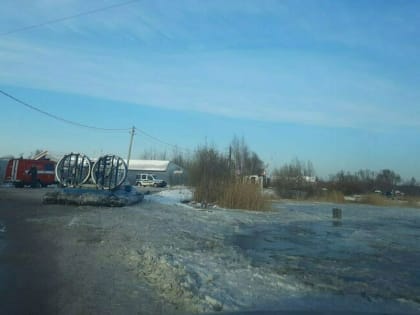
18,172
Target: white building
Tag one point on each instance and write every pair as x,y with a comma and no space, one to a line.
309,179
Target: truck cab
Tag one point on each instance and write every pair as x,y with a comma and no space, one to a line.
18,172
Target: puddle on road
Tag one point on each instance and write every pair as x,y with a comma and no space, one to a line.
2,228
371,255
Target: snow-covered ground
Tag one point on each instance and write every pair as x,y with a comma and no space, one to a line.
292,258
172,196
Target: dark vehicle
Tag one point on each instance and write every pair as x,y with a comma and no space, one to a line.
388,194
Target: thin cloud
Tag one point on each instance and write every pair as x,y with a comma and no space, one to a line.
213,58
161,86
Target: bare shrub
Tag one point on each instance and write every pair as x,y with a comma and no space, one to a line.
209,172
238,195
332,196
290,181
375,199
413,202
212,174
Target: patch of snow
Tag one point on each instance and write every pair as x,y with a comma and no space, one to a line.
3,228
293,257
171,196
73,221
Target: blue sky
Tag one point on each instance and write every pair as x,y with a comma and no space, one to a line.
334,82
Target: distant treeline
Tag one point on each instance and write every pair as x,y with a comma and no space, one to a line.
211,171
296,179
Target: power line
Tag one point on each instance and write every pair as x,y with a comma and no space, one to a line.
89,126
161,141
68,17
57,117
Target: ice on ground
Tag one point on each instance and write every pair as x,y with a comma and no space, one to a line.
2,228
292,258
172,196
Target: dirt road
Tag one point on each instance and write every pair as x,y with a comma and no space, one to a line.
54,264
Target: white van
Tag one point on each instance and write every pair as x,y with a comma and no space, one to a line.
149,180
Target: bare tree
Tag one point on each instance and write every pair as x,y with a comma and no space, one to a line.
153,154
289,180
244,161
387,180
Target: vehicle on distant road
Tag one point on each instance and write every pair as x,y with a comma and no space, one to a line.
149,180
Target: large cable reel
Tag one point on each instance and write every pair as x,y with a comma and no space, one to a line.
109,172
73,170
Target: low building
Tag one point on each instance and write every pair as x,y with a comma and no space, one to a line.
309,179
170,172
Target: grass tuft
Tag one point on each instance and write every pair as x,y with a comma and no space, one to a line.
332,196
413,202
375,200
243,196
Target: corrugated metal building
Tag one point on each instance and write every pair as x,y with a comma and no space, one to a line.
170,172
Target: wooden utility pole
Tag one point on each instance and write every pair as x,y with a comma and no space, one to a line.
132,133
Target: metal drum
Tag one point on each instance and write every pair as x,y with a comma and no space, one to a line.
73,170
109,172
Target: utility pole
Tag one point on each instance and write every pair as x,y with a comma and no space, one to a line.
132,133
230,160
